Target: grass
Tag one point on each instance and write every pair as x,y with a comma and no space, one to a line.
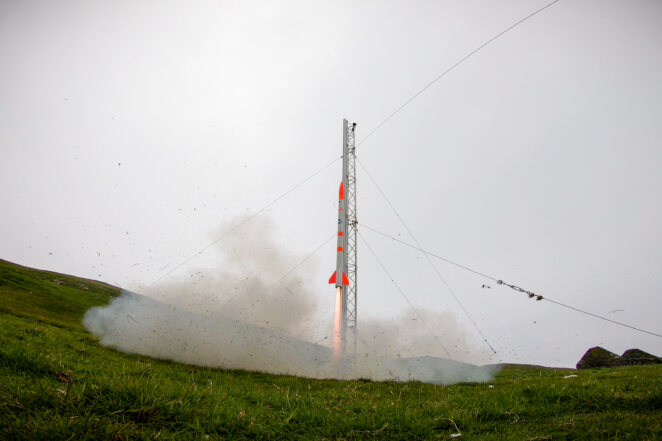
57,383
50,297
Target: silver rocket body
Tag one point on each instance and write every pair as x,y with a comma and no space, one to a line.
340,274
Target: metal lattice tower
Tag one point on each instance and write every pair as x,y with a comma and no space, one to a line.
350,318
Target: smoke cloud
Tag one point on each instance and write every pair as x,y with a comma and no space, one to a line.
239,316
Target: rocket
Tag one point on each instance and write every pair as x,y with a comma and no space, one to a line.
342,230
340,278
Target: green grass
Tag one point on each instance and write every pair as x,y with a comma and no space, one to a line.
50,297
57,383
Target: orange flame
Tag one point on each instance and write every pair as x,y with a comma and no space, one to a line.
337,329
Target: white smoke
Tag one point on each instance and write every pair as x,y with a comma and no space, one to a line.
236,317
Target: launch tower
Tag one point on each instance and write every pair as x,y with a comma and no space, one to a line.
345,276
349,314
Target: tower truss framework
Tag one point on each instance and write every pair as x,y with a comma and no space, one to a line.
350,317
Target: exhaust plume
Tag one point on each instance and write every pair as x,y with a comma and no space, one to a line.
236,317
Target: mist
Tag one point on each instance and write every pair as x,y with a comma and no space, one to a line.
243,314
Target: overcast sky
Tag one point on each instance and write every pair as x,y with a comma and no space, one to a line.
130,132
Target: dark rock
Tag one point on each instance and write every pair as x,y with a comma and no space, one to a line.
598,357
637,356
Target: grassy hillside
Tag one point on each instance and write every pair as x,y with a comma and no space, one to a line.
49,297
57,383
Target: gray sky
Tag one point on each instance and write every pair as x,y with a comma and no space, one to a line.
131,131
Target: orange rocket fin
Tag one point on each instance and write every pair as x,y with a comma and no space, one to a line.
345,280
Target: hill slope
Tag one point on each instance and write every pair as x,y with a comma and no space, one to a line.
50,297
56,383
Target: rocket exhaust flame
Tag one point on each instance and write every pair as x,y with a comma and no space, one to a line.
337,329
